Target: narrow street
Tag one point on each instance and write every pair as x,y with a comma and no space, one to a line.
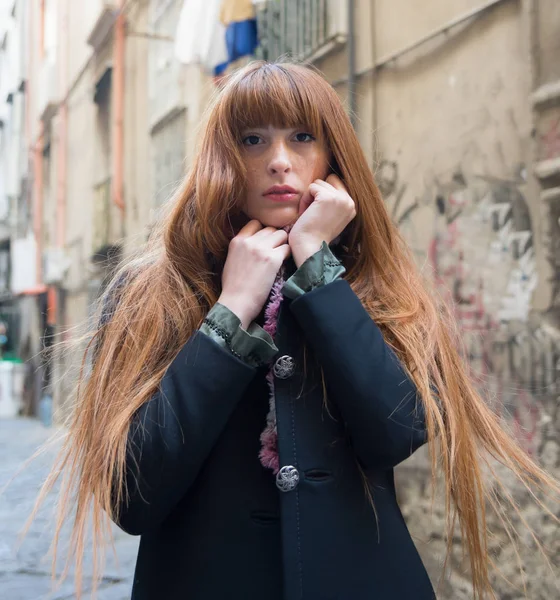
25,569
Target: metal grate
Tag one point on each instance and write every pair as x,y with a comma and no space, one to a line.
294,28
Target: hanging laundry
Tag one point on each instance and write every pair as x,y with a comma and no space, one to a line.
215,33
238,17
201,36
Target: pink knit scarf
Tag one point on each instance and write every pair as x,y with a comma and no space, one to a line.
269,437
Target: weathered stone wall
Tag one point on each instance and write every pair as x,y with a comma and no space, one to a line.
459,146
482,259
459,141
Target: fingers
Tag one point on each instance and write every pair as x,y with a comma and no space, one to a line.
315,188
321,184
336,182
333,185
305,201
271,236
284,251
250,229
278,238
265,232
332,181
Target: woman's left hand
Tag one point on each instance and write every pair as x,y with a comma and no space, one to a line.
324,212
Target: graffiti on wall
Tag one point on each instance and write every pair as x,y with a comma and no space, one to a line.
483,263
550,140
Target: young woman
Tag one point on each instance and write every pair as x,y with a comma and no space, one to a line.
261,369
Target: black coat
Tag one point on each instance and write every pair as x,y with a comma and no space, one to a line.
213,522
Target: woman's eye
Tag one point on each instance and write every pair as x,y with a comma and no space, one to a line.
304,137
251,140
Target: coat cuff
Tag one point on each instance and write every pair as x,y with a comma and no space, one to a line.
319,269
252,345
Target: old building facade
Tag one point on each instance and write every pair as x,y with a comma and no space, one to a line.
456,104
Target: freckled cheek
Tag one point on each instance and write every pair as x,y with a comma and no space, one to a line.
252,177
312,168
304,166
254,184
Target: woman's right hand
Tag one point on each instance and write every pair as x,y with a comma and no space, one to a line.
254,258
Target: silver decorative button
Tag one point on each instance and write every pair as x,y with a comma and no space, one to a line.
287,478
284,367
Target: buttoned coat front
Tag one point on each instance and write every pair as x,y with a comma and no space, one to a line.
215,524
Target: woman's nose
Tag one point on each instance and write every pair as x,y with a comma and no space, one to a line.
279,160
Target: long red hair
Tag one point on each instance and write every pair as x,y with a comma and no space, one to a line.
166,291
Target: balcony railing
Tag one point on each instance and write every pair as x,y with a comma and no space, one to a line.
303,30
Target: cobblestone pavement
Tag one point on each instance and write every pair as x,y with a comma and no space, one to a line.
25,569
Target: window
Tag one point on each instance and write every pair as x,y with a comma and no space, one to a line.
103,98
103,153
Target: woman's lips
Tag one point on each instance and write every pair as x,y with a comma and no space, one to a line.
282,197
281,193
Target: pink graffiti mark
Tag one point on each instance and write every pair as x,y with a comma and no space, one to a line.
473,317
524,417
551,140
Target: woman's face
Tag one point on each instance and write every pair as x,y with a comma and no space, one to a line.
281,164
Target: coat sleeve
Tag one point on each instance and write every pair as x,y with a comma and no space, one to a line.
377,400
252,345
173,433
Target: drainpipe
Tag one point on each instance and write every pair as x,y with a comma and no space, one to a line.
34,146
53,304
63,132
38,156
374,112
351,62
37,147
41,29
38,204
118,145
